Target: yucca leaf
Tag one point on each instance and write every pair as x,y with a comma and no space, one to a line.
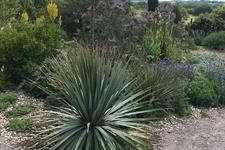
101,105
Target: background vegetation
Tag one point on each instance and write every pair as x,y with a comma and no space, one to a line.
104,68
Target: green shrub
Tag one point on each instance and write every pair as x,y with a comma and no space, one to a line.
197,8
219,87
20,110
208,24
213,68
23,46
215,40
219,13
103,104
7,99
19,125
201,92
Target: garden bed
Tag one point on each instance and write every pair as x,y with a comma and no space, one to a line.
168,133
15,133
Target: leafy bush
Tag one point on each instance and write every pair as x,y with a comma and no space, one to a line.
214,69
208,24
7,99
198,8
201,92
19,125
20,110
103,104
167,82
219,13
215,40
216,73
23,46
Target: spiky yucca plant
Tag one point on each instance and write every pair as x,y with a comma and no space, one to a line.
101,105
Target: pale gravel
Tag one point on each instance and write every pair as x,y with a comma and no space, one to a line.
196,134
12,138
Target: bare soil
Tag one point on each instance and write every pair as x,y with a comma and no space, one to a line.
204,133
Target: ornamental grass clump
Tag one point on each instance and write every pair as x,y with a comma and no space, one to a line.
101,105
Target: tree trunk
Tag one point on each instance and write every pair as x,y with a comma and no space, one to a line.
152,5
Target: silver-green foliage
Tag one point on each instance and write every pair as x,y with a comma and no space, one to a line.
101,108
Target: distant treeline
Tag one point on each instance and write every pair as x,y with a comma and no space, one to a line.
183,1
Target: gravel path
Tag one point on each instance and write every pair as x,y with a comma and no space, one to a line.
12,138
198,134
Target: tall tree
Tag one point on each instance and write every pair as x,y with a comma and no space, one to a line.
152,5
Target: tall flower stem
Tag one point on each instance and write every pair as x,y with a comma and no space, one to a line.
93,25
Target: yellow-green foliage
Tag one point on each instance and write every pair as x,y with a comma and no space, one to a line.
160,44
23,46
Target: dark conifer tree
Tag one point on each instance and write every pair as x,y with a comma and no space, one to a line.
152,5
